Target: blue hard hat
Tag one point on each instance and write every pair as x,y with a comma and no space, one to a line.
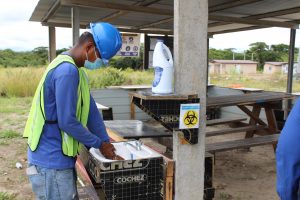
107,38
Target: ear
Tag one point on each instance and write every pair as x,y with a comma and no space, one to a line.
89,46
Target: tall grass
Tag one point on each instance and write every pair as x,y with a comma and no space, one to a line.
19,82
273,82
22,82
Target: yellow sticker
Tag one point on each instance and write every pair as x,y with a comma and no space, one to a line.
190,118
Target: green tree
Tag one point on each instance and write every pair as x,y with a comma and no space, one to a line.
41,54
259,49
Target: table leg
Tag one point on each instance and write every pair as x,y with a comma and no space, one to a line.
254,118
272,124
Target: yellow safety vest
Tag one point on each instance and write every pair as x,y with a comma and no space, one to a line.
36,119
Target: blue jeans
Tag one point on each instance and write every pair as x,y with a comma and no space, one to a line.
53,184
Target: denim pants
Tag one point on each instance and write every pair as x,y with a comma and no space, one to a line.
53,184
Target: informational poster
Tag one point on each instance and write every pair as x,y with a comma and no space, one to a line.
130,45
189,116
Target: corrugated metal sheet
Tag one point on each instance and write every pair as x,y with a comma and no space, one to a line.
134,19
119,101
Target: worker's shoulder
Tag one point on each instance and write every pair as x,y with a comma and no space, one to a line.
66,68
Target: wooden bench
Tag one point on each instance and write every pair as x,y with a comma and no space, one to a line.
242,143
235,130
224,121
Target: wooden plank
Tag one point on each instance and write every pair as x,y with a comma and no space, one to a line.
147,95
87,192
254,118
114,136
223,121
271,122
242,143
132,111
234,130
254,114
249,98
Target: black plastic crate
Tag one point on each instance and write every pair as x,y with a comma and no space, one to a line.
140,179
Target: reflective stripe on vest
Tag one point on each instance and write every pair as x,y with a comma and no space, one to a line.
36,119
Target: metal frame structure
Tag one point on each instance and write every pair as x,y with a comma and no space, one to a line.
191,22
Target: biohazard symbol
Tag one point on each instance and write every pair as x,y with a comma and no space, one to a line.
190,118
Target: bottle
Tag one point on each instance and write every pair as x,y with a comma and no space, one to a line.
163,68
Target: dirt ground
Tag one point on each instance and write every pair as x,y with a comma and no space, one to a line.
241,175
238,175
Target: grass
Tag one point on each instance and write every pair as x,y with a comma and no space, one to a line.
7,196
22,82
274,82
19,82
9,134
15,105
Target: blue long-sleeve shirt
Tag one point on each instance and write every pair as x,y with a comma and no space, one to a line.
288,156
60,102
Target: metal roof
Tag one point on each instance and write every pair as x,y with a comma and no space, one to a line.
234,61
277,63
156,16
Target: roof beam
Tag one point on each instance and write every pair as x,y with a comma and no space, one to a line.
51,11
116,6
236,30
261,16
148,31
155,23
120,13
214,8
253,21
64,25
130,30
231,4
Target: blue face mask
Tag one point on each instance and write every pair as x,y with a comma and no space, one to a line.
93,65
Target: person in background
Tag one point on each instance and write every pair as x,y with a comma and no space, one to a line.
64,115
288,157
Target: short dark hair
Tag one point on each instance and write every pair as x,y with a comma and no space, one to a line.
86,37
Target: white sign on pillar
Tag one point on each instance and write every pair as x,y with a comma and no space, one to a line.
130,45
189,116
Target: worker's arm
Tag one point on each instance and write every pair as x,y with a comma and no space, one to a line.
95,122
66,83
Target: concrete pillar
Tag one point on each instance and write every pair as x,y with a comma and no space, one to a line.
75,24
52,43
190,53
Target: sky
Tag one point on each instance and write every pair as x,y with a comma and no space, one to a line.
17,33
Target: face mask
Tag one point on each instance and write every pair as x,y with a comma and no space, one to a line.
93,65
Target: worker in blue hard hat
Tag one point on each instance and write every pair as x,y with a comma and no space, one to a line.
64,115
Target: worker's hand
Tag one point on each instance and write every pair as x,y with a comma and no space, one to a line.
117,157
108,150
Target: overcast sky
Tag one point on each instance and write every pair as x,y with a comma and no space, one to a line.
17,33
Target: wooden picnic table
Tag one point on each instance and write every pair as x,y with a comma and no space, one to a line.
250,103
269,101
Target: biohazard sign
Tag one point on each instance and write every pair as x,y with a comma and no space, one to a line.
189,116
